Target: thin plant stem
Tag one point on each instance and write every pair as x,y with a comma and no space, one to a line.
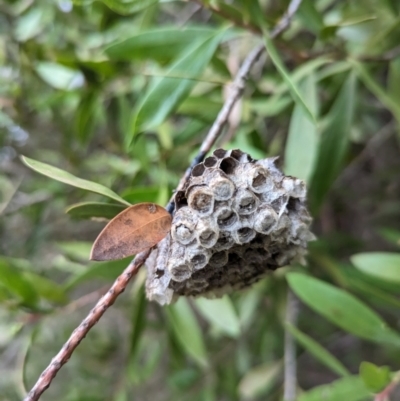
290,362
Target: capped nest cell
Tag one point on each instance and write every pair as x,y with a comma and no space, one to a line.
236,220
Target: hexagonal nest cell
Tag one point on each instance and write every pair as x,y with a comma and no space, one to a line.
236,220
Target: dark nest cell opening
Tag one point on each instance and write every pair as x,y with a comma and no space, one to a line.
228,165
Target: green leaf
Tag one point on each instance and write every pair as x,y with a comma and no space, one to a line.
187,330
386,98
141,194
138,317
391,235
310,16
201,108
60,77
161,44
393,84
165,94
372,292
258,380
46,288
67,178
220,313
323,355
30,24
383,265
86,115
346,389
100,270
297,96
88,210
132,6
334,142
375,378
342,309
302,142
76,250
14,281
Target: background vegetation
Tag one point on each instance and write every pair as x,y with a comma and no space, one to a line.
121,93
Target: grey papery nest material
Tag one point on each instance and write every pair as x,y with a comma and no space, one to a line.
236,220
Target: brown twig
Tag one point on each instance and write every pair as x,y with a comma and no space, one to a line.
80,332
122,281
290,365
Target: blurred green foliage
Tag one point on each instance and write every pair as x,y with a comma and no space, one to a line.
120,93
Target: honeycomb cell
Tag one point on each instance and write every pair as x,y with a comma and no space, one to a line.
244,235
228,165
225,241
198,170
221,186
179,271
207,233
258,179
226,217
245,202
197,257
210,161
183,227
220,153
201,200
219,259
265,220
180,200
178,268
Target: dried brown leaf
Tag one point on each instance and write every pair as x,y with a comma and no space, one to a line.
135,229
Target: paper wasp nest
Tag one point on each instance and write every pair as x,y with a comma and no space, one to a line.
236,220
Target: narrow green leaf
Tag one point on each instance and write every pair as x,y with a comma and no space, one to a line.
220,313
390,234
76,250
86,115
386,98
46,288
161,44
383,265
60,77
99,270
138,319
322,354
141,194
393,81
374,377
200,107
310,17
131,7
342,309
88,210
258,380
346,389
165,94
67,178
14,281
302,142
372,292
276,59
334,142
187,330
